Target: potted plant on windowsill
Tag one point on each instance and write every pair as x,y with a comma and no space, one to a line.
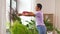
49,26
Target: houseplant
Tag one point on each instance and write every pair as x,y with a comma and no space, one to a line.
49,26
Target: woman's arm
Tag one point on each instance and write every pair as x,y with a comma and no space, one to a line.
27,14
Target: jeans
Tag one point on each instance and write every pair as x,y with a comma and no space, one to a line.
41,29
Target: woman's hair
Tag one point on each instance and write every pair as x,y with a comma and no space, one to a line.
39,6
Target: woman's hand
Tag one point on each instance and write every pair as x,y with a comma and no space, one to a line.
25,13
28,14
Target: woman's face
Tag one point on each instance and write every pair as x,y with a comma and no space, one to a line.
37,8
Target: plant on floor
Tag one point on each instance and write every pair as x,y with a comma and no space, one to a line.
49,25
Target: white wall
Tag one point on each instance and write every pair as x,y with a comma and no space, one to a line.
2,16
58,13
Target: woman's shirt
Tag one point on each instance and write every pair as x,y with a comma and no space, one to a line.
39,18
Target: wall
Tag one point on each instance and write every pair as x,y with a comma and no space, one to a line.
57,14
2,16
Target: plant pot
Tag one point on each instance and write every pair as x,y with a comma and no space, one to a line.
49,32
